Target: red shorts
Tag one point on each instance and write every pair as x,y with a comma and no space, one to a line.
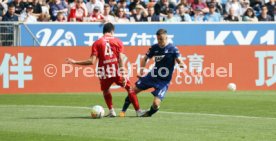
106,83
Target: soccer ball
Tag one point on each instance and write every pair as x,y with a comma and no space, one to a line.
97,111
232,87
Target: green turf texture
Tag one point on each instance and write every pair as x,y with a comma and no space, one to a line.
186,116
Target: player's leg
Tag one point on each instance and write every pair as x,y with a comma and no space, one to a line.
125,106
105,85
159,95
141,84
131,93
128,100
108,100
154,107
131,98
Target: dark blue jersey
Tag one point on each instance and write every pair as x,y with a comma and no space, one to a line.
164,61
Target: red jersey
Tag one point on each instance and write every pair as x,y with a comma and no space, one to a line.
78,13
97,17
107,49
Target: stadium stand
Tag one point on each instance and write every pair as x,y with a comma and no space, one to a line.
141,10
125,11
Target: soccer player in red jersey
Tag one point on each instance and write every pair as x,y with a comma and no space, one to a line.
109,51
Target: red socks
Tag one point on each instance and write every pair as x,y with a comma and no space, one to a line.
108,99
133,99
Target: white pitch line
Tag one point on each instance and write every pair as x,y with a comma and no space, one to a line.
163,112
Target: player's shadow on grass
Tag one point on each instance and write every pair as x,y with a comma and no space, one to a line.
74,117
77,117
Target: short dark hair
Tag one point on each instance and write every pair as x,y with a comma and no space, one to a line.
108,28
161,31
263,6
11,5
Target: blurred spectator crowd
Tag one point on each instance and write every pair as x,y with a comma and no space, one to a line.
124,11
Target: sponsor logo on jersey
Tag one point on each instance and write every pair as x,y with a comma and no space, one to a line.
159,58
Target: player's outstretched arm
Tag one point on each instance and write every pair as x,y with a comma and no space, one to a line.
143,65
90,61
180,63
122,60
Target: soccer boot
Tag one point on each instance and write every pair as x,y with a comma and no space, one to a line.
122,114
145,114
111,113
140,113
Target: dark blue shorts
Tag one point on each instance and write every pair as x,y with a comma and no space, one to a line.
160,86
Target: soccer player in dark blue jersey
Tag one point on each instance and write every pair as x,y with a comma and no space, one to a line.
159,77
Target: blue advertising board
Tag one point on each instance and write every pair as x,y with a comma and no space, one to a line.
84,34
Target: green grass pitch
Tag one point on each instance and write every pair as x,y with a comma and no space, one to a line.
185,116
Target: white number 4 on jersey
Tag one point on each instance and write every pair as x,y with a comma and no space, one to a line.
108,50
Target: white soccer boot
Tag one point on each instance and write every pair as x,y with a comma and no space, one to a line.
111,113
